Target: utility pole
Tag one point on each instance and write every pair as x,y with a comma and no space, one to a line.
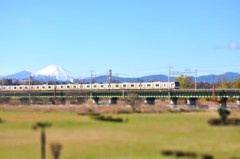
213,93
55,90
110,76
2,84
91,82
30,100
116,78
2,88
169,74
195,80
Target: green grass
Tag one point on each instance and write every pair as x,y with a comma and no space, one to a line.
143,137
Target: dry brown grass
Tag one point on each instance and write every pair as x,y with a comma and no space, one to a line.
67,108
116,109
161,106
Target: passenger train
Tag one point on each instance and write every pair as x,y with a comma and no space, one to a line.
96,86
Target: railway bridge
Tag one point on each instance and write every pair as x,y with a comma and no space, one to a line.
149,96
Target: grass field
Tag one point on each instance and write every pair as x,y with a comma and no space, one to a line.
142,137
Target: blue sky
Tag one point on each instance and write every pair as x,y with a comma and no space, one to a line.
131,37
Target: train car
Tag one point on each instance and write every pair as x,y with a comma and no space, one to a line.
96,86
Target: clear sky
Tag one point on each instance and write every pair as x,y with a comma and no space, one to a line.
131,37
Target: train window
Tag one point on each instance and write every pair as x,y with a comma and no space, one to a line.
15,87
4,88
148,85
95,86
102,86
37,87
116,85
140,85
49,86
109,85
81,86
132,85
88,86
61,86
157,85
74,87
43,87
124,85
20,87
68,86
25,87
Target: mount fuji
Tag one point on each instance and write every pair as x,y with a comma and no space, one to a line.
53,72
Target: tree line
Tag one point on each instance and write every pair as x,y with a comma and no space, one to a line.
186,82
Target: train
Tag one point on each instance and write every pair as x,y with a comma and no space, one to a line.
95,86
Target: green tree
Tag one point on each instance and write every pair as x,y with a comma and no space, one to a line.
225,85
224,113
134,100
236,83
185,81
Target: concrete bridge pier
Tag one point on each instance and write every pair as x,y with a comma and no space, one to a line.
150,101
112,101
238,102
63,101
223,102
95,100
173,102
192,101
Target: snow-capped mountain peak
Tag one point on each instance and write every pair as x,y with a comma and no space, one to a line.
54,71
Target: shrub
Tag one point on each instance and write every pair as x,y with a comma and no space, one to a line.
107,118
179,154
1,120
207,156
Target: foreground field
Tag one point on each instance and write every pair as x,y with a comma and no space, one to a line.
142,137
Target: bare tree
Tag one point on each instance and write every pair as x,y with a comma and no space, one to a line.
56,149
42,126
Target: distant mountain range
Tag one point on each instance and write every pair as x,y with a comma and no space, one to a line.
229,76
19,76
52,72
